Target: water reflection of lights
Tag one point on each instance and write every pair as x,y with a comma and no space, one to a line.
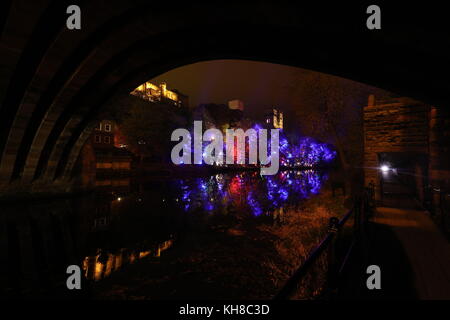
103,264
248,191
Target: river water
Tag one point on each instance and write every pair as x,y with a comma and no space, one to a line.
125,224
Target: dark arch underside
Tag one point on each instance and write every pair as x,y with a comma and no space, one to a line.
55,81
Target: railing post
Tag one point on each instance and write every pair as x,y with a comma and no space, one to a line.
332,247
333,228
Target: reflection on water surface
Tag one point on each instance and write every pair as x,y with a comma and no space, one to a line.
125,221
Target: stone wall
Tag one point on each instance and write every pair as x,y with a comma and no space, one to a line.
439,141
398,125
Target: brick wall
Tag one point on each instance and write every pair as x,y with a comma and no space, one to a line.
397,125
439,141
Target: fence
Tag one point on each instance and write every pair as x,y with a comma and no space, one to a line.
320,274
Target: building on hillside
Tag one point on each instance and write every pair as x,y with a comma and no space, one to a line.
110,156
274,119
236,105
103,134
160,93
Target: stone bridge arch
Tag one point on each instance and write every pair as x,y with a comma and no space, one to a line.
54,80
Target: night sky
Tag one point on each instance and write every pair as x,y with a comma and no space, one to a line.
259,85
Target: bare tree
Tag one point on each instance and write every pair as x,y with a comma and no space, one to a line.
330,108
147,126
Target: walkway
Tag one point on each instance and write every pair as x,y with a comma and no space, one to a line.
425,248
410,249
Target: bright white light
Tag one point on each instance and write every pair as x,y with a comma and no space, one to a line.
384,168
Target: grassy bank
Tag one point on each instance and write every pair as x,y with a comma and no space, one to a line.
239,258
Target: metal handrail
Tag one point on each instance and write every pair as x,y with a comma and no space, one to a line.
335,225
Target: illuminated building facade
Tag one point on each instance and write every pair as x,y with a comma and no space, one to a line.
155,93
103,135
102,155
236,105
275,119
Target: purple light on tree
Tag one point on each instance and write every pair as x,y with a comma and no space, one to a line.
307,153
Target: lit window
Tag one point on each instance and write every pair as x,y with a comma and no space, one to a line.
106,139
107,127
97,139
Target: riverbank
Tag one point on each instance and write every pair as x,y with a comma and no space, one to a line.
42,191
233,260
